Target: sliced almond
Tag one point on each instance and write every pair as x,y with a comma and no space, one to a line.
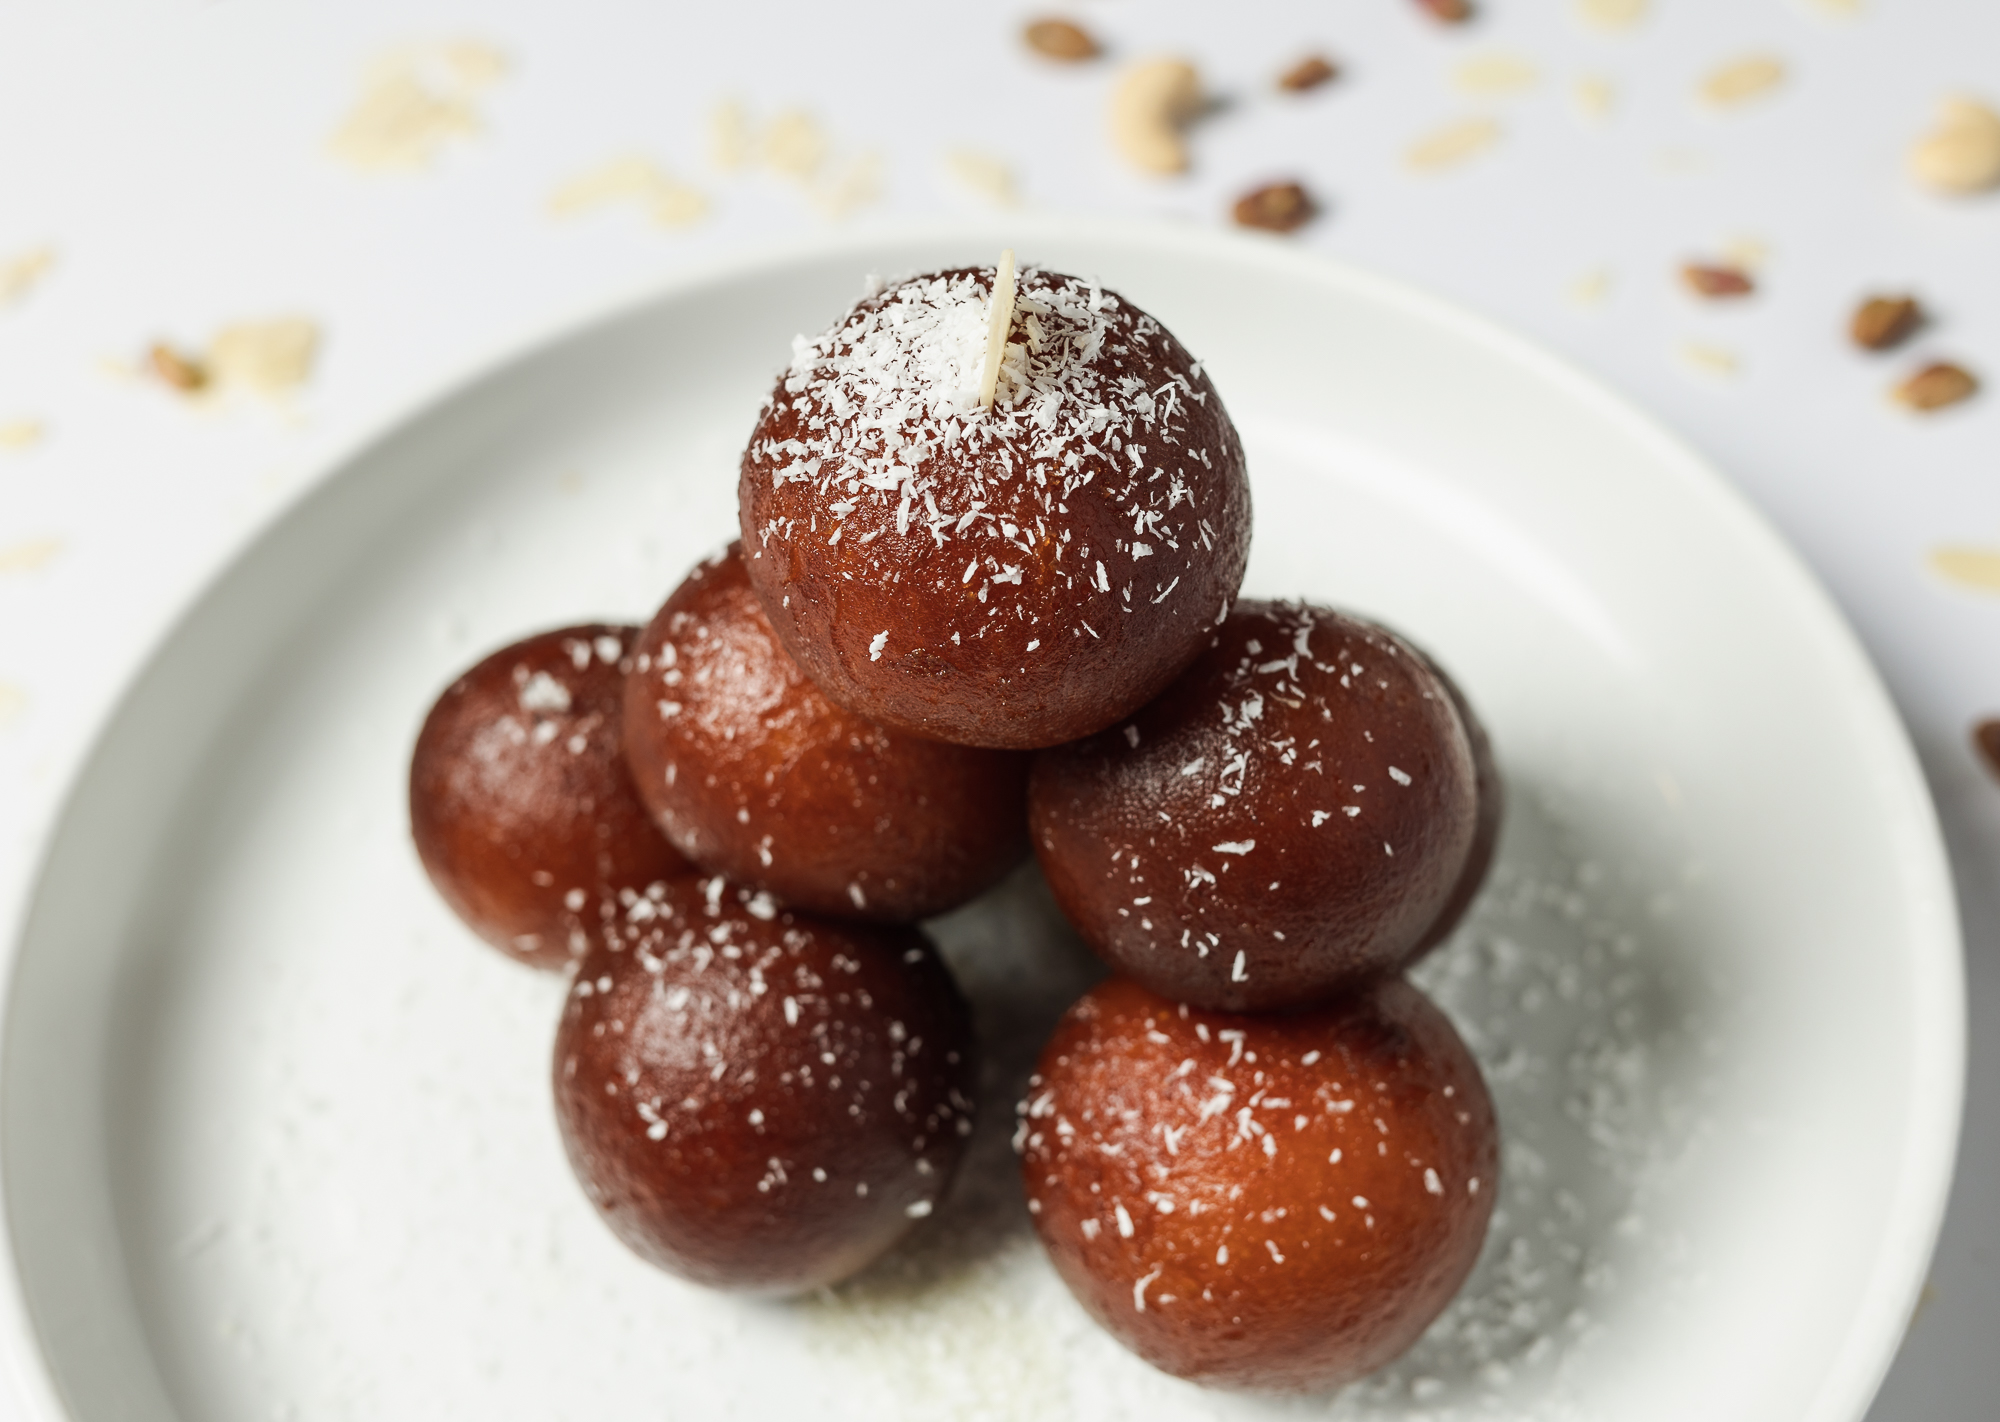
1936,386
1275,207
1741,80
1975,568
999,321
1452,145
1449,12
1713,281
1612,14
184,373
1309,73
1881,322
1061,40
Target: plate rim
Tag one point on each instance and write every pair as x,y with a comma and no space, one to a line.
1911,1226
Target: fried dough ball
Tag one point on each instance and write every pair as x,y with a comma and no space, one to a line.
1492,797
760,1100
1016,576
753,773
1279,1202
520,804
1288,820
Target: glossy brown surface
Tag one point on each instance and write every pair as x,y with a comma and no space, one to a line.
520,804
1277,1202
1290,818
756,1100
1492,797
754,773
1015,577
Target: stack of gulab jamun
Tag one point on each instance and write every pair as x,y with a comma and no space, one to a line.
992,533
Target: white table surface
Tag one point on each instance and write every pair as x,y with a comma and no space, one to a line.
173,158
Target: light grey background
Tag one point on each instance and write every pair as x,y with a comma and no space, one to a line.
174,157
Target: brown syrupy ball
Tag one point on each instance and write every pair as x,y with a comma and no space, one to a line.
1277,1202
760,1100
752,772
522,810
1013,577
1491,793
1287,820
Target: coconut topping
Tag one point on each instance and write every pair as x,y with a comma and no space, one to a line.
890,433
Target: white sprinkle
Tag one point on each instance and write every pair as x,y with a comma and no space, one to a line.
756,1118
918,1210
1309,1058
1401,777
1124,1222
1334,1159
1432,1183
1326,1214
1275,1256
1360,1202
1132,737
1236,846
1090,1229
542,692
1034,644
1238,973
1320,817
876,644
1222,1254
1139,1289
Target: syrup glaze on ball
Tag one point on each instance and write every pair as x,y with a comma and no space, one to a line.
520,804
752,772
1286,821
755,1099
1279,1202
1492,795
1012,577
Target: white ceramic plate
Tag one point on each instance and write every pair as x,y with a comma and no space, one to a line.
277,1137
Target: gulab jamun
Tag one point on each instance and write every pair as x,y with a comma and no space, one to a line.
523,812
760,1100
1278,1202
1287,820
1015,575
1492,796
753,773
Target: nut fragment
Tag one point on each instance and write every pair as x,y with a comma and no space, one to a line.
1741,80
1884,321
1937,385
184,372
1961,153
1151,107
1975,569
1452,145
1986,740
1061,40
1450,12
1716,282
1276,207
1309,73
